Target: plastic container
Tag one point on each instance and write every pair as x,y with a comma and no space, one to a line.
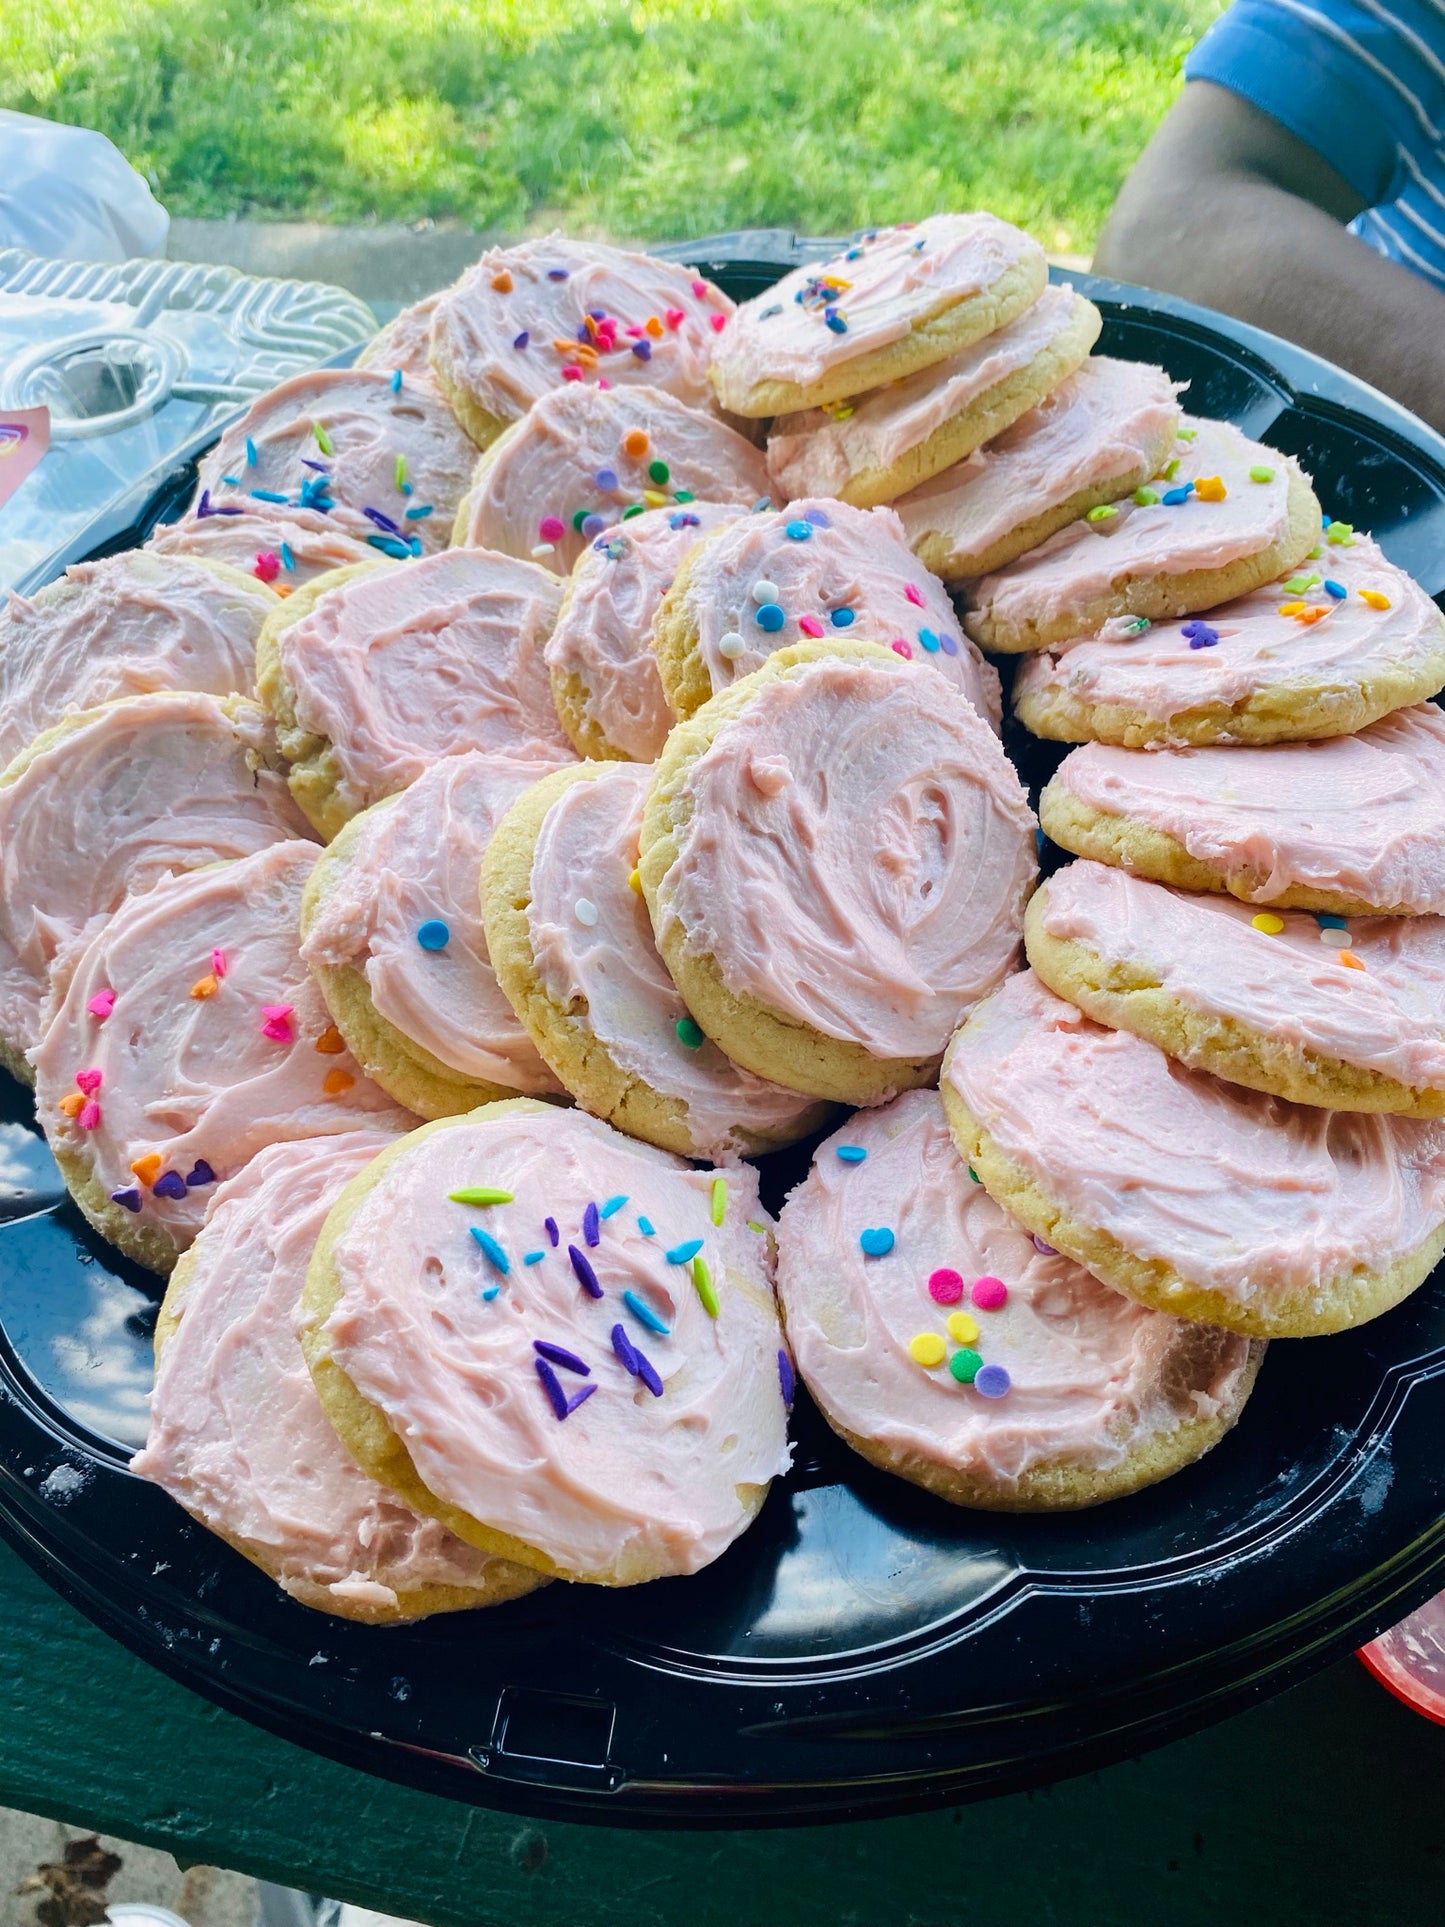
1409,1660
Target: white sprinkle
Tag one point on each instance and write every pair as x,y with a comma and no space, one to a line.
543,548
585,911
1336,939
731,646
764,591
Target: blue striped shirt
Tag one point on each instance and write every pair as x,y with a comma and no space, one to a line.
1362,83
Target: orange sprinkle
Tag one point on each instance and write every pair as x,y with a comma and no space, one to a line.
148,1168
1374,598
634,442
502,281
331,1043
653,326
206,986
335,1082
73,1103
1349,960
1210,488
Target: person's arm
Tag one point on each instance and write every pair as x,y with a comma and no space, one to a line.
1228,208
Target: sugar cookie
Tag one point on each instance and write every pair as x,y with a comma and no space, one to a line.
283,547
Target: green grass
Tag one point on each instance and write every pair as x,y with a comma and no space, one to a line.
655,119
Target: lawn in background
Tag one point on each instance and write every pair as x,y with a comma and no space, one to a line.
654,119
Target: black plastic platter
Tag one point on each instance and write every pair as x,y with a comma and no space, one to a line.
864,1648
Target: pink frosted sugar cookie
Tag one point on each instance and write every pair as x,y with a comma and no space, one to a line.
1107,430
280,546
184,1037
1325,653
374,674
836,854
1227,516
389,464
108,803
896,300
1355,824
572,945
124,627
551,312
605,678
584,460
573,1334
238,1437
1189,1194
1348,1013
810,572
392,926
947,1345
404,343
880,445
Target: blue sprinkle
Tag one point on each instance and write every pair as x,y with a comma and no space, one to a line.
841,618
590,1231
683,1254
877,1241
769,616
1327,920
852,1153
557,274
684,520
798,531
419,513
389,545
491,1292
549,1225
645,1226
1336,589
644,1313
612,1205
853,254
491,1250
763,503
929,640
787,1384
415,545
263,494
586,1276
433,934
250,453
559,1355
835,321
1173,497
288,560
1325,521
533,1257
234,481
521,340
406,488
396,381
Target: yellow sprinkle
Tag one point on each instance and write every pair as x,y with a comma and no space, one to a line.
1374,598
1349,960
1291,608
204,986
654,498
719,1199
1268,922
962,1328
702,1282
634,882
1210,488
72,1104
928,1350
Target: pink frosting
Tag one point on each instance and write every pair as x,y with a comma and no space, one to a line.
1103,422
1241,1194
1093,1376
821,450
882,287
1358,816
857,855
851,559
626,1479
370,428
418,858
402,665
237,1434
1206,953
546,469
610,968
303,542
507,344
202,1081
604,633
1081,563
123,627
144,788
1160,675
404,343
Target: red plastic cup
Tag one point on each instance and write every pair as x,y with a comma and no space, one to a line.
1409,1660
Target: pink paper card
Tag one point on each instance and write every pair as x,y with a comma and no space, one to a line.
24,438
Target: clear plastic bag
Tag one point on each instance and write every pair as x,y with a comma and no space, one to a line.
69,193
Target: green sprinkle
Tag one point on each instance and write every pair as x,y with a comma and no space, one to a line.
683,495
1314,554
761,1229
965,1366
579,516
1300,584
1146,497
1187,434
633,508
1102,513
974,1175
399,473
690,1034
1341,535
323,440
702,1280
1259,473
480,1194
658,472
1169,470
719,1199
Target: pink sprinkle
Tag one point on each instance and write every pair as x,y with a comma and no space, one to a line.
945,1287
602,382
636,333
571,372
551,528
101,1005
989,1293
278,1023
901,648
675,317
699,288
914,594
218,963
810,625
89,1118
268,566
719,322
87,1081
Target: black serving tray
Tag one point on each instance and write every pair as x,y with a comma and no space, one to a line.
865,1648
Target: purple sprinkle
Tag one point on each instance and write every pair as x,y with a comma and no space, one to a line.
308,461
550,1226
991,1381
580,1398
128,1199
642,349
591,1230
818,518
199,1173
606,479
624,1349
1049,1251
598,314
203,507
684,521
557,274
648,1373
785,1378
521,340
584,333
1199,635
592,525
586,1276
559,1355
949,645
552,1386
170,1184
383,521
